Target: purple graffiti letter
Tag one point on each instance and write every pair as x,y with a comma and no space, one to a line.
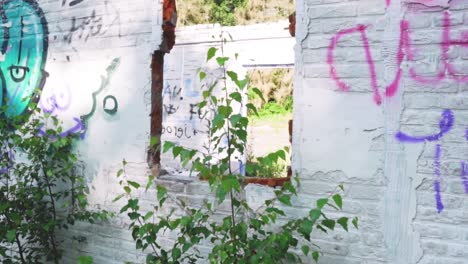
464,175
445,125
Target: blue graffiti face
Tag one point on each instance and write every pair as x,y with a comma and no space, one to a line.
23,37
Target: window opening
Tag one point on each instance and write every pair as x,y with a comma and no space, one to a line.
271,130
181,90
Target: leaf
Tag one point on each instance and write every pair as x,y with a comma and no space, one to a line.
161,192
118,198
202,75
321,203
252,108
315,214
315,256
229,183
236,96
211,53
338,200
235,119
232,75
329,223
218,121
343,221
242,83
222,60
322,229
285,199
259,93
281,154
306,228
176,253
11,235
127,189
167,146
119,173
85,260
176,151
305,249
148,215
355,222
134,184
150,182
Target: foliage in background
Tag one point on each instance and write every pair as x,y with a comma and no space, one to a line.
40,190
244,234
223,11
233,12
263,169
276,86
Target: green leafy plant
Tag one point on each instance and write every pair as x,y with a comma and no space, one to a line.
244,234
41,191
222,11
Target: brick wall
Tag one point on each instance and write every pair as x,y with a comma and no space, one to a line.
95,58
367,70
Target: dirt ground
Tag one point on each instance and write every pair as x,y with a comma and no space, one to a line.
269,135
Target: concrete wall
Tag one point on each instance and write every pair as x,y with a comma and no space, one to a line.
95,58
381,105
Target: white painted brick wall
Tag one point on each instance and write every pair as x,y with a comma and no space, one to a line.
339,137
390,184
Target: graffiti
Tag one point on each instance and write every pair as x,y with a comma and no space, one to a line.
170,109
93,25
60,101
439,204
105,80
85,27
78,129
110,105
445,126
56,102
179,132
330,60
171,94
24,36
404,50
72,3
464,175
195,111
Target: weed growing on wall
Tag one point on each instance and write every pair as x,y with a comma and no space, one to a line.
41,192
243,234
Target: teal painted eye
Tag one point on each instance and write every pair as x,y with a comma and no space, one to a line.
24,42
18,73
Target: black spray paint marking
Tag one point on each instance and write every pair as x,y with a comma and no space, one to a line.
110,105
105,80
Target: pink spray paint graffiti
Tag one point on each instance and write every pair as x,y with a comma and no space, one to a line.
404,50
330,60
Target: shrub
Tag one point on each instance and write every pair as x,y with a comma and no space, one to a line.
245,234
40,189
